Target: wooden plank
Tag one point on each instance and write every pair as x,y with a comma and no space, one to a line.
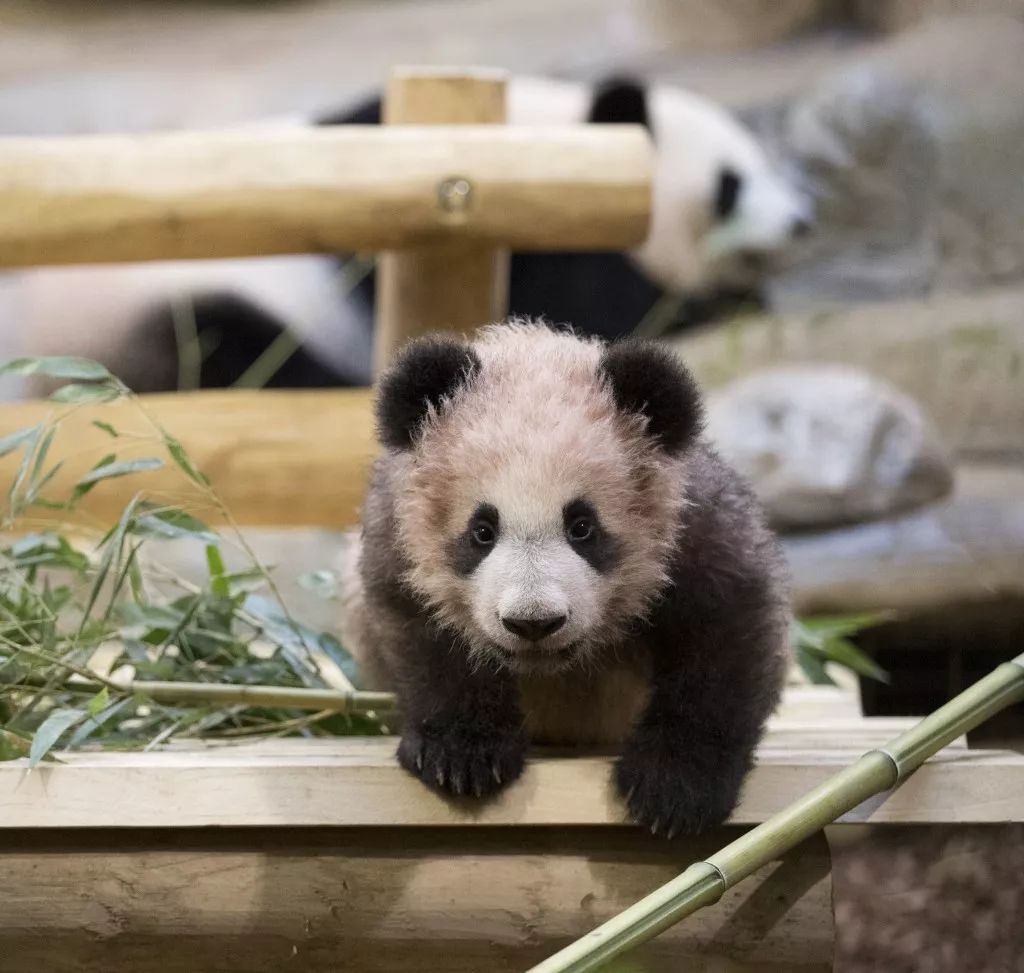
263,191
276,458
394,901
453,287
357,782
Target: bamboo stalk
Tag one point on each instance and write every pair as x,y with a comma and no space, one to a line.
703,883
220,694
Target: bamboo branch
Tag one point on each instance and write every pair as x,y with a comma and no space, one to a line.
703,883
221,694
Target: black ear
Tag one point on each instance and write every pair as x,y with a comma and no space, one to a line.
649,380
425,372
619,101
727,193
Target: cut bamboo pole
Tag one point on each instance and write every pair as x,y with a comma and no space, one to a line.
226,694
451,287
703,883
97,199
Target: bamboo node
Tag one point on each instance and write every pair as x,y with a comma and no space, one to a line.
897,767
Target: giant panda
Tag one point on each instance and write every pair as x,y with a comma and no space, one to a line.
719,208
551,553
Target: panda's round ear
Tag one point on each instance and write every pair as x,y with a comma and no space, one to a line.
649,380
425,372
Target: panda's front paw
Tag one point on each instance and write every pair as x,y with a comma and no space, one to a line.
668,795
463,764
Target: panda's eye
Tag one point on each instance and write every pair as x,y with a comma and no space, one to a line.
483,534
581,529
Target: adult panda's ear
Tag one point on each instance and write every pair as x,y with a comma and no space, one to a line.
619,101
425,372
649,380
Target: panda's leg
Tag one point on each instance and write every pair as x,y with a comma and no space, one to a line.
462,727
718,668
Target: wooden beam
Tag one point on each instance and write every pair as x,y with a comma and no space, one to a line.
295,190
380,900
356,782
275,458
454,287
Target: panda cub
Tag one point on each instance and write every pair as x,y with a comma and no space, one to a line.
551,553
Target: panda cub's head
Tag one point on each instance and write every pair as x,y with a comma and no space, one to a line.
538,480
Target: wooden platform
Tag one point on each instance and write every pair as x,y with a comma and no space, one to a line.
322,855
355,782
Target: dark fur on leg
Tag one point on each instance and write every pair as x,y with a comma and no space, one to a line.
462,730
718,642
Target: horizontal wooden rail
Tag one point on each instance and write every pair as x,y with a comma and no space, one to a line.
275,458
350,781
295,190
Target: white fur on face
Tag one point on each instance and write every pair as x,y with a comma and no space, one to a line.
535,575
537,429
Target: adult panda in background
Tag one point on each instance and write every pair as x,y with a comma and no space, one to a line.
719,210
551,553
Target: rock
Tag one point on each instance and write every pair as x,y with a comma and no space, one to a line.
967,549
961,357
913,150
828,445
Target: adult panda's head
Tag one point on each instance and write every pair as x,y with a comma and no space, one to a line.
538,480
721,208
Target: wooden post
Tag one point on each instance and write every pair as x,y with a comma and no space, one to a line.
449,287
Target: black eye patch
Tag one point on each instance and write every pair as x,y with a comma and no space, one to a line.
466,551
727,193
588,539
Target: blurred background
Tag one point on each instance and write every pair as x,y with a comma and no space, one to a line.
869,381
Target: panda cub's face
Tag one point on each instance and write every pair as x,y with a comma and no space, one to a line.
539,479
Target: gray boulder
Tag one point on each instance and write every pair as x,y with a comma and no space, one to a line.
827,445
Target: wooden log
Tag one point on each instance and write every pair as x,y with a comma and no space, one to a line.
274,458
106,198
357,782
452,287
383,899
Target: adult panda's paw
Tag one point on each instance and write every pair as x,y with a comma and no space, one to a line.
667,794
463,764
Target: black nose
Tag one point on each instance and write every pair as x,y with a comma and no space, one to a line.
534,629
799,228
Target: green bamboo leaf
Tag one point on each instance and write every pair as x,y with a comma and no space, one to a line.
13,745
99,701
170,523
829,626
108,471
15,440
215,563
57,366
180,457
813,667
78,393
845,653
88,727
51,730
107,428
